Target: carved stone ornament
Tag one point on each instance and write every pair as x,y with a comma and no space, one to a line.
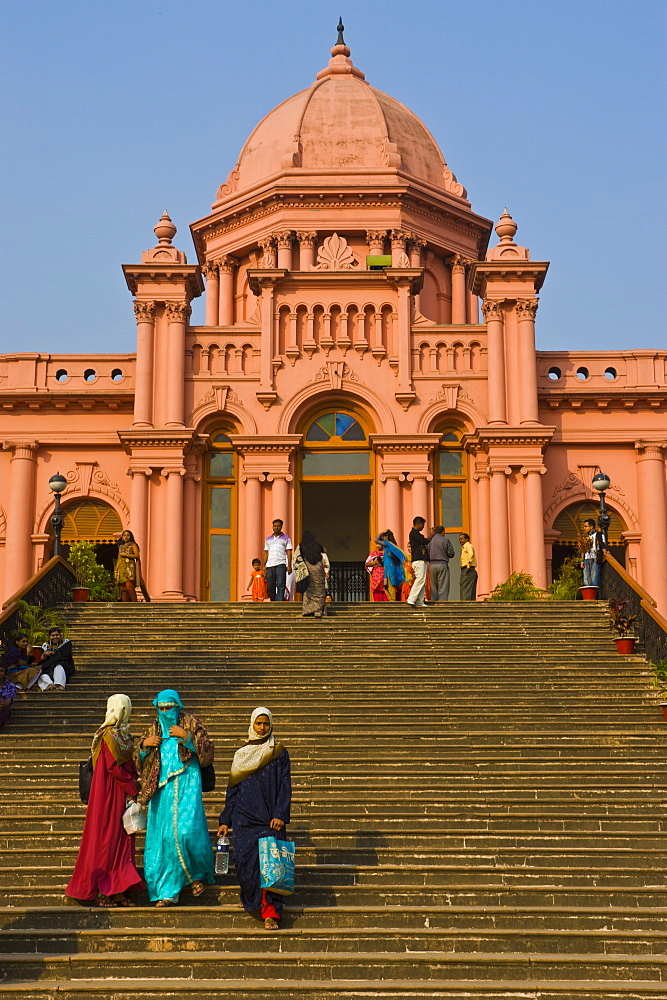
269,248
403,260
210,269
220,395
144,311
526,308
285,239
307,240
177,312
451,184
450,394
492,309
375,239
227,264
335,255
571,482
334,372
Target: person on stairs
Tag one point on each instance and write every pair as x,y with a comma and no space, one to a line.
57,662
468,582
419,556
169,758
8,692
257,804
20,663
127,572
105,870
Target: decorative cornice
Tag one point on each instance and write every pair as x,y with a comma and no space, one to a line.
486,437
247,443
387,444
157,438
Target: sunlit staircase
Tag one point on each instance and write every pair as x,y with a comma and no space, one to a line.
479,807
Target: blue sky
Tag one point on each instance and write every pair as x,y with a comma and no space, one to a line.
114,110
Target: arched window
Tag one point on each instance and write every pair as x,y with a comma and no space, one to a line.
336,444
451,477
90,521
220,517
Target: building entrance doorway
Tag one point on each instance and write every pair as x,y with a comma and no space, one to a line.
339,514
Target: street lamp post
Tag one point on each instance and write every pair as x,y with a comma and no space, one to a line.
57,484
601,483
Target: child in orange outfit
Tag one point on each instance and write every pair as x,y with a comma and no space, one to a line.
257,584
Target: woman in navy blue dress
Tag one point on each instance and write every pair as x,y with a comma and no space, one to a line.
257,805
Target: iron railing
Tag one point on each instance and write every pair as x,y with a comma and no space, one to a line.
52,585
616,582
348,582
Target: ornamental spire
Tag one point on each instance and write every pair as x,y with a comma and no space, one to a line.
341,29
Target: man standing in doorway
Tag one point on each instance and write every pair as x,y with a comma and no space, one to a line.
277,561
468,589
419,558
594,555
440,551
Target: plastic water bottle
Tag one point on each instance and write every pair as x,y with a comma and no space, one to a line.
222,855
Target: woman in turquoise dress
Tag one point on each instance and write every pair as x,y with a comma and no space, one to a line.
169,757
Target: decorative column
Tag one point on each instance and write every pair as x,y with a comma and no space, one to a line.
399,257
458,265
227,266
191,522
306,250
652,504
420,495
525,311
499,525
393,515
495,325
415,246
480,530
534,524
285,241
20,514
405,393
174,408
375,241
143,371
173,535
211,273
280,500
139,505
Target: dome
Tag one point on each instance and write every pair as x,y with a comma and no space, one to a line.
340,125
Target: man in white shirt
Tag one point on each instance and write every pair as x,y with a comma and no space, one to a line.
594,555
277,561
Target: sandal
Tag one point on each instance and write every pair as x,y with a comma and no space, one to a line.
165,902
106,902
122,900
270,924
197,888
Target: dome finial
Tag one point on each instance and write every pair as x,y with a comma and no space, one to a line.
165,229
341,28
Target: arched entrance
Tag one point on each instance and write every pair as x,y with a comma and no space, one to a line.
94,521
219,520
570,524
336,485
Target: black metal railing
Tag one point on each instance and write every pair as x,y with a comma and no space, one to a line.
651,627
51,586
348,582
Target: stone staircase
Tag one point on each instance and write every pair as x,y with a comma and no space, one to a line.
479,807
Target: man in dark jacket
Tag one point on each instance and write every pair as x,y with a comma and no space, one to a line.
419,558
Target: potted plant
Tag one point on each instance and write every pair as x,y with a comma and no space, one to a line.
95,582
568,584
623,624
35,622
659,681
517,587
584,543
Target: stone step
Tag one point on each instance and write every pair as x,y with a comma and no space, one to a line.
219,965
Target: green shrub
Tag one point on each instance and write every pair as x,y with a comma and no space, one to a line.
90,573
570,579
518,587
659,678
36,622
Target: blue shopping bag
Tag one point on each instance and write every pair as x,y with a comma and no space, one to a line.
276,865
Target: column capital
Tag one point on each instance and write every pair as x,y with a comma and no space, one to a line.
650,449
375,236
144,311
285,239
132,472
307,240
175,471
228,264
177,312
526,470
22,449
526,308
492,309
499,469
458,263
210,269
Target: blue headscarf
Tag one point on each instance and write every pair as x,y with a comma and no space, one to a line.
168,718
393,561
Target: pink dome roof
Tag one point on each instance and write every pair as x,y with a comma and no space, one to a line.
340,124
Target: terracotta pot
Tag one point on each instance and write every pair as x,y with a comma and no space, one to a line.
589,593
664,709
80,594
626,643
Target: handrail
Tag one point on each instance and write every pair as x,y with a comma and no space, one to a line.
36,578
642,594
7,612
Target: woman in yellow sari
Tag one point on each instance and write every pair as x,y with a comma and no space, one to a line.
128,567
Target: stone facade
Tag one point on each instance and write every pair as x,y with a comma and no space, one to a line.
345,273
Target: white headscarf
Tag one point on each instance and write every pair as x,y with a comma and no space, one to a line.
115,730
257,752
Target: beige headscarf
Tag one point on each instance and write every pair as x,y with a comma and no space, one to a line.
115,730
257,752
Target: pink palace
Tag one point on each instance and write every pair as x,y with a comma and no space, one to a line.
366,357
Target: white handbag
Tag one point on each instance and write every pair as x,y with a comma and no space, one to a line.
134,818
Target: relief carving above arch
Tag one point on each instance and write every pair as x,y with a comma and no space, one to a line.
85,481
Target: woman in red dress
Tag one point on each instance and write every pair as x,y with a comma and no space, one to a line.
105,868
